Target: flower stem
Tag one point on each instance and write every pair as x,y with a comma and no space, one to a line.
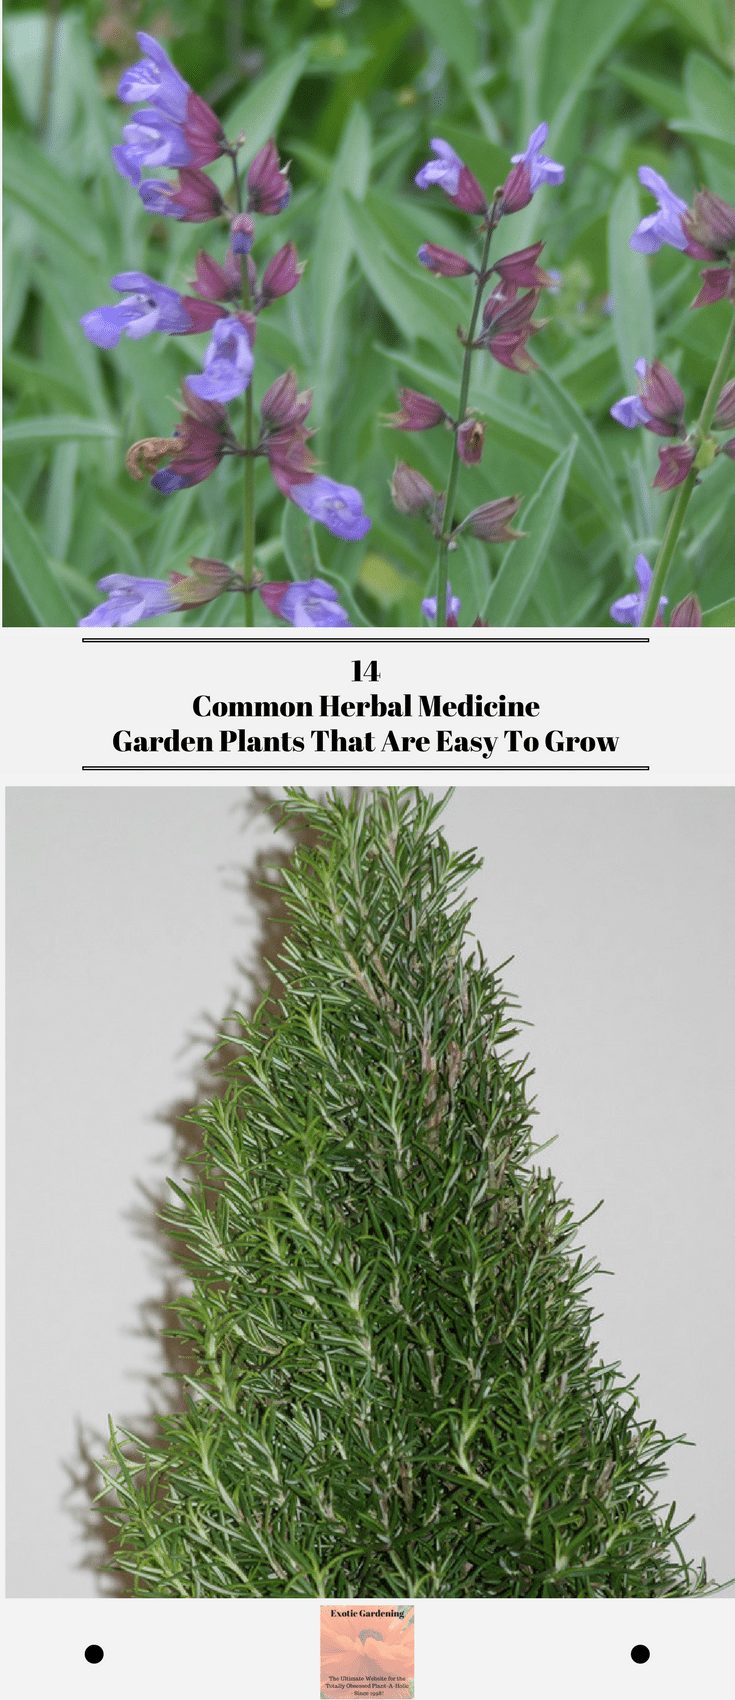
248,511
442,565
683,495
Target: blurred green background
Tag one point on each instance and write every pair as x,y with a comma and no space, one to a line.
353,91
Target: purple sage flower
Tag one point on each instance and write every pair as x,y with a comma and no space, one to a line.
659,406
664,227
175,127
228,363
337,506
194,199
154,80
629,610
449,172
443,171
130,599
202,436
540,168
308,602
149,306
428,606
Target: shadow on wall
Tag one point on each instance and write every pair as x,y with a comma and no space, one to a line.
259,883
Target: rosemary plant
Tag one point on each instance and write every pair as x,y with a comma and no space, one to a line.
397,1390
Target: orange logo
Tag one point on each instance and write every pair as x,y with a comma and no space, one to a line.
367,1652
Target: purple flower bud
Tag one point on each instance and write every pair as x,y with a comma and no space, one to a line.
228,363
506,310
417,412
290,459
540,168
215,282
663,227
337,506
629,610
522,270
492,521
675,462
411,492
717,285
725,411
308,602
428,606
728,448
269,190
687,613
709,225
281,274
130,599
506,317
449,172
193,198
242,231
444,261
470,441
509,349
282,405
150,306
517,190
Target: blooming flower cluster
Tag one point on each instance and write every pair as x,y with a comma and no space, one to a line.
175,129
506,294
308,602
704,231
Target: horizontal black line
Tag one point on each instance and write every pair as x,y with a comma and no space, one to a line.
316,637
364,767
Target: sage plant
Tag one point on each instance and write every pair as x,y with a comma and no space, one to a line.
501,324
704,231
176,129
392,1386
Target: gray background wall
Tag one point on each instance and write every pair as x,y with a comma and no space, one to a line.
130,932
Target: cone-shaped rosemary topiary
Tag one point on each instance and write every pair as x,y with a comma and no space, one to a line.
397,1391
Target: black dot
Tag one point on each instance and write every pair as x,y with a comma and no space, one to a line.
640,1654
93,1654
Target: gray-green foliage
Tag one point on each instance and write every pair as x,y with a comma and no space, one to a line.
398,1390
